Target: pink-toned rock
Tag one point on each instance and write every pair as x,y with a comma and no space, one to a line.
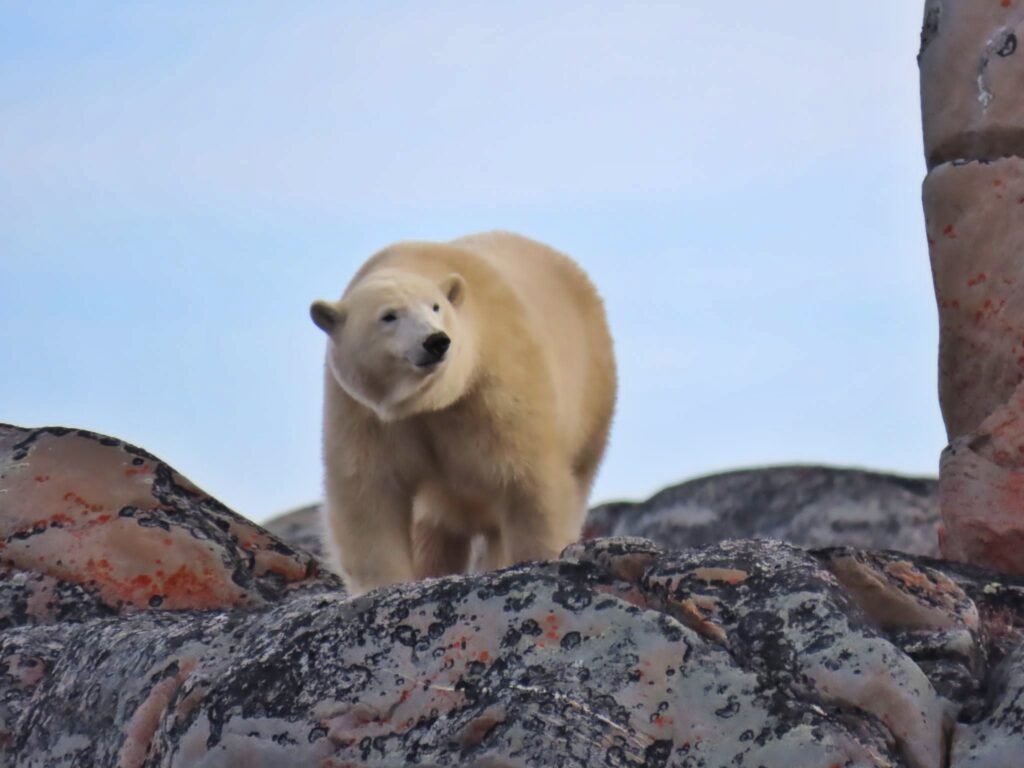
974,214
981,488
972,77
972,74
95,511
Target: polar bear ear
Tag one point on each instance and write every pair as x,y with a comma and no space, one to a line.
454,288
326,315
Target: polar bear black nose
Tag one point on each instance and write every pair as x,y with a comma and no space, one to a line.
437,344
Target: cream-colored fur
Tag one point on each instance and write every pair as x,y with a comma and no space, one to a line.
501,439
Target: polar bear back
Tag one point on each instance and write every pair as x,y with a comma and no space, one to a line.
562,308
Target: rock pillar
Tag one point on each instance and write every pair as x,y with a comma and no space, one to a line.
972,103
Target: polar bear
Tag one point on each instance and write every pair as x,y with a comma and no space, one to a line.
469,390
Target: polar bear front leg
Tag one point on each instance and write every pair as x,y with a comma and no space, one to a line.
438,551
441,530
542,517
368,533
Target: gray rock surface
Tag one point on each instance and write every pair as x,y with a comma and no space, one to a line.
810,506
749,652
302,528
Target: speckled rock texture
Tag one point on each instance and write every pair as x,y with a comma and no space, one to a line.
623,652
811,506
972,76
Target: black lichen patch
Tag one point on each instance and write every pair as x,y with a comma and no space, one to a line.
1007,45
930,27
29,598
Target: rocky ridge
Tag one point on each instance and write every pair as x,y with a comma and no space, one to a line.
811,506
144,624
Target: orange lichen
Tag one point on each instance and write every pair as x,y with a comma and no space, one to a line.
60,517
980,278
65,520
184,588
186,583
97,570
906,573
727,575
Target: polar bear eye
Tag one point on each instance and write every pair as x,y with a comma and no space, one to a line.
437,307
388,317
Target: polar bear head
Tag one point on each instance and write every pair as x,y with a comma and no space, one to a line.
397,342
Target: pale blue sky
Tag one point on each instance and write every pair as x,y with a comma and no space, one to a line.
741,180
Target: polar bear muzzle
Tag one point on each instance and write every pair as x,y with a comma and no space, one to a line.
435,345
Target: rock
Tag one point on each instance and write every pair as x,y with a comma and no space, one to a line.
971,78
494,670
622,653
301,528
87,509
981,491
993,741
972,215
806,505
972,72
783,615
